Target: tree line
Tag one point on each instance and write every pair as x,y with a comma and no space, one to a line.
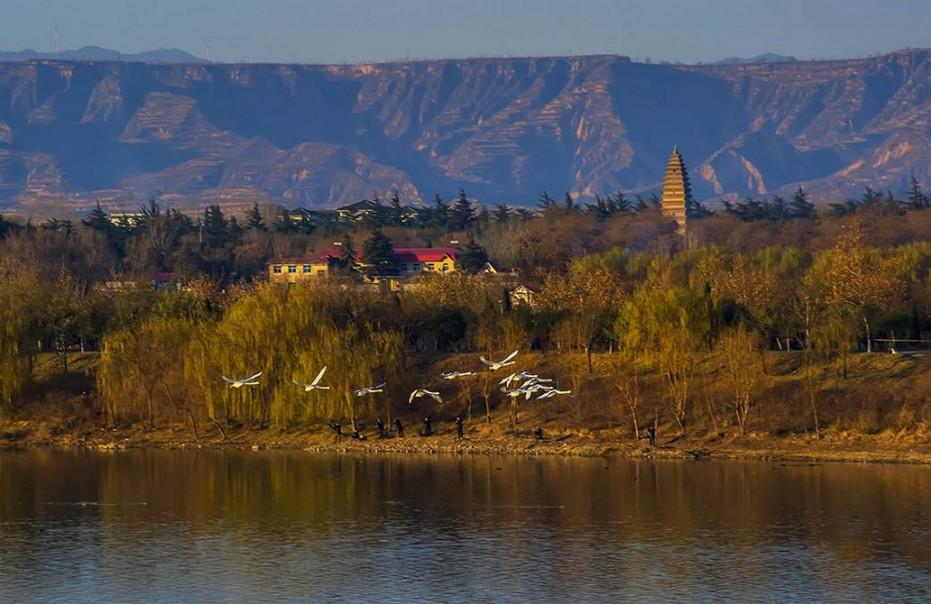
614,279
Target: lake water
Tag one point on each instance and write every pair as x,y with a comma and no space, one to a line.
184,526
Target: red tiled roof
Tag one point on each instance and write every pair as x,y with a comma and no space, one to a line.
424,254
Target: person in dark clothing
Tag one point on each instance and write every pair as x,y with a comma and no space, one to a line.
651,435
337,429
459,427
427,427
380,424
538,433
357,431
399,427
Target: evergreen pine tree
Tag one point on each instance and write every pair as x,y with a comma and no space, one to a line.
777,209
473,257
696,209
214,228
461,214
502,213
347,255
620,203
545,202
254,220
870,197
800,207
599,208
569,202
440,212
916,197
5,227
396,215
378,253
98,220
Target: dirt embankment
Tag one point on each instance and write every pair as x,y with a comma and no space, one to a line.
481,438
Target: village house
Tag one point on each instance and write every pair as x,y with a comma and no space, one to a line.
293,270
410,262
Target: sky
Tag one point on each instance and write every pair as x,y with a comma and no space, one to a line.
340,31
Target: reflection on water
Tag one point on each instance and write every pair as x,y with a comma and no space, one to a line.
248,526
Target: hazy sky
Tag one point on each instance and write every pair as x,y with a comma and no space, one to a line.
370,30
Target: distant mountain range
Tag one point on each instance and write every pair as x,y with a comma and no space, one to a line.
769,57
502,129
95,53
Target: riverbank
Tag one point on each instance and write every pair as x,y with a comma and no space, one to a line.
483,439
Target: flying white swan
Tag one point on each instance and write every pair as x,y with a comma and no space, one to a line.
424,392
249,381
314,385
369,390
454,375
530,390
553,392
496,365
518,377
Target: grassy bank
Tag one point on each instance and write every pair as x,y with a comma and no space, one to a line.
878,412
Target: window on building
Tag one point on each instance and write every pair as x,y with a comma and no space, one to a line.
307,268
416,267
276,268
445,267
292,268
429,266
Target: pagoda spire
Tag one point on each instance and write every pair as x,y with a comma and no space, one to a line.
677,192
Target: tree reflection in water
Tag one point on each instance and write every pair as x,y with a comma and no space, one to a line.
184,525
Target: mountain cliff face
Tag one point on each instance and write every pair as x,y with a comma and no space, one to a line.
503,129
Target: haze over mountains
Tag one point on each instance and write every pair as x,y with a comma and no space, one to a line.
96,53
502,129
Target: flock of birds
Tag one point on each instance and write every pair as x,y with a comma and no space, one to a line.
516,385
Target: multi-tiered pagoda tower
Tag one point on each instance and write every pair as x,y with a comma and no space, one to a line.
677,194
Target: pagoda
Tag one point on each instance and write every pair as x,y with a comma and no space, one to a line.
677,194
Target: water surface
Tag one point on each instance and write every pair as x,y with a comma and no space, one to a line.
170,526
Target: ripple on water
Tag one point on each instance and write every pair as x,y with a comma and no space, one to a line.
228,527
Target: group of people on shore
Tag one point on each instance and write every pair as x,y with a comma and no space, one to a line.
383,431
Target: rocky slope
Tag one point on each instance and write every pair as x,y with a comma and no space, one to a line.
504,129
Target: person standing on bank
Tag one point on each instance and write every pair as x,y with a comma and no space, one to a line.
459,427
337,430
399,427
380,426
427,427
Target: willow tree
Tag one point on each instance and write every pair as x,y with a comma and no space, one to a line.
860,279
289,334
18,305
142,365
736,350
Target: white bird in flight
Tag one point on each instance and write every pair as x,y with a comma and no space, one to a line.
424,392
553,392
496,365
369,390
453,375
314,385
530,390
249,381
531,378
